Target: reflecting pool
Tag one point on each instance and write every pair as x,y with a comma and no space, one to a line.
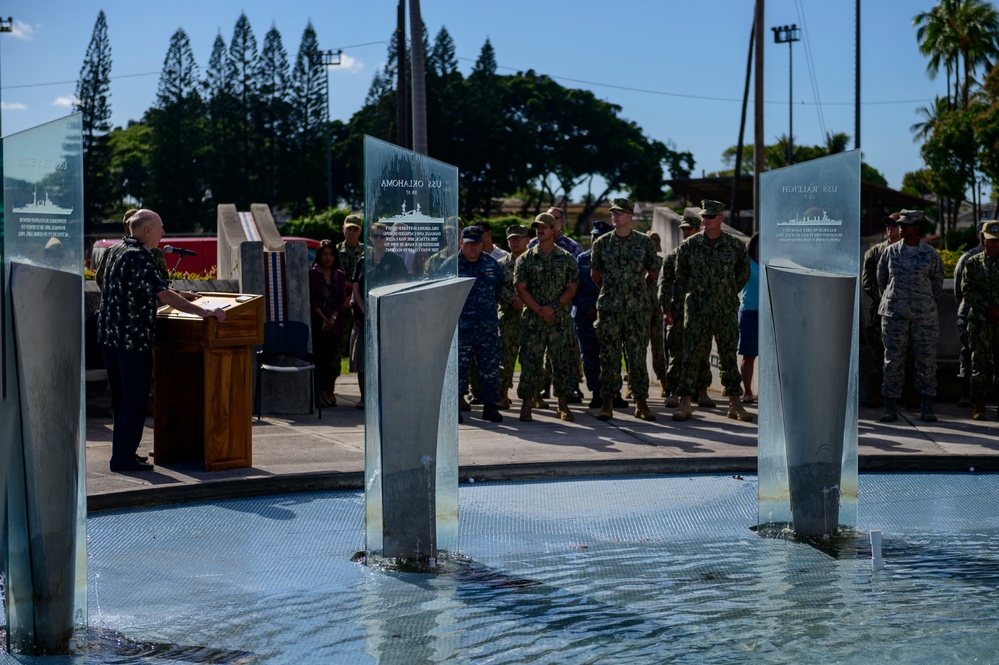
638,570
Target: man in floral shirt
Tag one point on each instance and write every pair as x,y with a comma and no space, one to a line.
133,290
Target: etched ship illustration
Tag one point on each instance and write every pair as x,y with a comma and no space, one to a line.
415,215
813,220
46,207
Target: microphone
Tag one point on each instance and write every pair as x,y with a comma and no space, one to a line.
167,249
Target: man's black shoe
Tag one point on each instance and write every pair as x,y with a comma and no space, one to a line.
131,465
141,458
619,402
596,402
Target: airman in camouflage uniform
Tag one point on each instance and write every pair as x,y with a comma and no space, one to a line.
910,276
510,308
980,291
623,264
711,269
478,325
869,283
546,278
671,299
964,368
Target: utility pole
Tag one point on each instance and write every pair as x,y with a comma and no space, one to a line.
401,114
419,81
789,34
759,158
856,94
327,62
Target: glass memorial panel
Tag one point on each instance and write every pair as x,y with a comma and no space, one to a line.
410,229
42,226
809,216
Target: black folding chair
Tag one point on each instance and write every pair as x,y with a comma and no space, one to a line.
286,349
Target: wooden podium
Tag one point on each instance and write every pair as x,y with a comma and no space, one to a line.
203,379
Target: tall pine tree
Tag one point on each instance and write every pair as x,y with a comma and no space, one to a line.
274,113
219,163
311,118
177,121
241,75
93,92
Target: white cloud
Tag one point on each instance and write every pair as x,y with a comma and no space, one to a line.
349,64
13,106
65,101
23,31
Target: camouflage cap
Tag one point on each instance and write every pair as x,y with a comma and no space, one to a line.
517,230
709,207
891,219
991,229
691,218
600,227
544,219
471,234
352,221
622,204
911,216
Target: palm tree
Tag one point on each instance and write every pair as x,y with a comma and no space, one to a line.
935,35
922,130
964,32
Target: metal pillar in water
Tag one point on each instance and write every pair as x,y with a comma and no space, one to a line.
45,467
813,328
416,326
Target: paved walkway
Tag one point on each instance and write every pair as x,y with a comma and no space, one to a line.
304,453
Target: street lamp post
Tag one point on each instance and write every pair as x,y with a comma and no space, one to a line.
788,34
329,59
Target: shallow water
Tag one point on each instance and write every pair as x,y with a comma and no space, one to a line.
643,570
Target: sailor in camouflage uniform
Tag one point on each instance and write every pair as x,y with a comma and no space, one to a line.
585,302
478,325
510,308
546,278
869,283
623,264
671,301
964,368
910,276
656,322
980,291
711,269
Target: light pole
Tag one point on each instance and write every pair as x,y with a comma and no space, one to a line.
788,34
329,59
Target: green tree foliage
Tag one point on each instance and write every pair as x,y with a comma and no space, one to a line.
310,124
776,156
177,129
950,154
256,127
960,35
93,93
241,75
274,114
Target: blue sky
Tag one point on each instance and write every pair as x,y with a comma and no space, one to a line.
676,67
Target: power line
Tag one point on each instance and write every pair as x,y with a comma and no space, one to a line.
664,93
811,67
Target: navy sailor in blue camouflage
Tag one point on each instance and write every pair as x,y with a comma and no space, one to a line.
478,326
